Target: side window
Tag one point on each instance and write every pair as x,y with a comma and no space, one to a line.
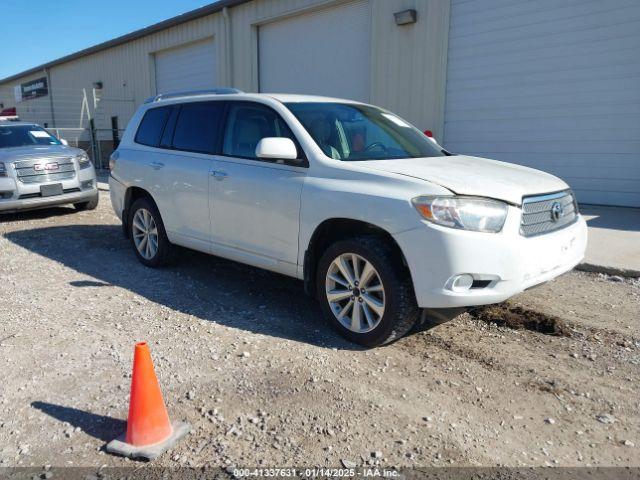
197,127
247,124
169,128
151,126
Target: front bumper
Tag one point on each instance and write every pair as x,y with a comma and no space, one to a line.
507,263
16,196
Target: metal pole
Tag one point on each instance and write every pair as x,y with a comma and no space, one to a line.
50,91
92,141
115,136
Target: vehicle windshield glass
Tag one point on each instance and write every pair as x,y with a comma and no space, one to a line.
25,135
359,132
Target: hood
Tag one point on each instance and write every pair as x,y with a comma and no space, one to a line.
475,176
14,154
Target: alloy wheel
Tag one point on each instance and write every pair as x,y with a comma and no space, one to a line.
355,293
145,234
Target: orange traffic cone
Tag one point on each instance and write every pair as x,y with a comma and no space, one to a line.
149,431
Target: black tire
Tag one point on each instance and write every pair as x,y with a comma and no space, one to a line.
164,250
401,310
90,205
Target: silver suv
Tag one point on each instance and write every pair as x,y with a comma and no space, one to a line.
38,170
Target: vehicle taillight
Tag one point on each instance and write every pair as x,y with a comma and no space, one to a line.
428,133
112,160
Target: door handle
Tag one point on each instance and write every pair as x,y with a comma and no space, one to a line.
220,175
157,165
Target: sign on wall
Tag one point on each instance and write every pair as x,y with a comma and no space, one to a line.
32,89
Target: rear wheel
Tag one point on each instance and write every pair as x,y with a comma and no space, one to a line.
365,291
147,234
90,205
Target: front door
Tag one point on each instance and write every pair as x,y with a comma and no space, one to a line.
255,204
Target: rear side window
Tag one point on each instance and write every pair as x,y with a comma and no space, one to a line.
197,127
152,125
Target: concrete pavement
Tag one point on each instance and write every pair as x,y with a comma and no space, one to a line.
614,240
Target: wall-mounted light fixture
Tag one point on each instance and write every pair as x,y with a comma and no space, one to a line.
97,85
406,17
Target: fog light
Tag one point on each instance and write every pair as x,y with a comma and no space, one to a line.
87,184
462,282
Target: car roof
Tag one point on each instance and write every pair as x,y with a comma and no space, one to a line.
177,97
299,98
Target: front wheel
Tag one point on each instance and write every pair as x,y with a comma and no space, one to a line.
147,234
366,292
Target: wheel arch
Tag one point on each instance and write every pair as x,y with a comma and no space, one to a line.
130,196
332,230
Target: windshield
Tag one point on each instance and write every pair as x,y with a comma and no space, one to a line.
25,135
360,132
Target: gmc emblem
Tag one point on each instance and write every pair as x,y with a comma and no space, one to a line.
47,167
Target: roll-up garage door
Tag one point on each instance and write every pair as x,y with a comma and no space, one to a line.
189,67
323,52
551,85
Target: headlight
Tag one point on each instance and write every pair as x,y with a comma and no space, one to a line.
465,213
3,170
83,161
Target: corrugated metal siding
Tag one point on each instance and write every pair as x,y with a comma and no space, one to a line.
189,67
551,85
406,73
409,62
329,57
126,71
34,110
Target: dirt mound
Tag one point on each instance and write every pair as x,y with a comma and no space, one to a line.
519,318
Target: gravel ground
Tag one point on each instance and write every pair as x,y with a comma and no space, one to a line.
244,356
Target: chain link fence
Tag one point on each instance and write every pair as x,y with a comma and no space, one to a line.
84,117
93,142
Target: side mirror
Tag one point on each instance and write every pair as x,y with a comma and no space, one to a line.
64,142
277,148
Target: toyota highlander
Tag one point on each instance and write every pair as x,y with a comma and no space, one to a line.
377,219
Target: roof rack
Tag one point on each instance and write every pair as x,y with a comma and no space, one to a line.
193,93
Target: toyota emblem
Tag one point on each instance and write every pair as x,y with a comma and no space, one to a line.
556,211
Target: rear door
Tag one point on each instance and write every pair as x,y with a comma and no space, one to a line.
255,204
190,139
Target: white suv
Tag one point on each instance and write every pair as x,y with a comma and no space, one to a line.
376,218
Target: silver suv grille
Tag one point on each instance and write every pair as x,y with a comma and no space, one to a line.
42,170
547,213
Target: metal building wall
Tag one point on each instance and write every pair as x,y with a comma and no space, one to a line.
407,64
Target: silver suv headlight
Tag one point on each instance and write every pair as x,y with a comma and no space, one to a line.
465,213
83,161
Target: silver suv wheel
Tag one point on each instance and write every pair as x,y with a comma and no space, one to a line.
355,293
145,234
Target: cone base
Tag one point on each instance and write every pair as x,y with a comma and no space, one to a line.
148,452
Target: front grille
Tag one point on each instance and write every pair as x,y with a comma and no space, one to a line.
547,213
29,172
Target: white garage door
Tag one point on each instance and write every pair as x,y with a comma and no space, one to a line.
321,53
191,67
551,85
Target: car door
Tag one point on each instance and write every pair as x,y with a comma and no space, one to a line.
190,139
255,204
